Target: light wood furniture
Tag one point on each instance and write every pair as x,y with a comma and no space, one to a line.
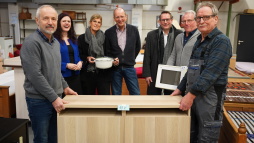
21,107
151,119
230,133
232,66
246,107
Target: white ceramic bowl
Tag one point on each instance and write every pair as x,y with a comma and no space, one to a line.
103,62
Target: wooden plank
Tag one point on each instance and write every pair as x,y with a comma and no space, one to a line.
111,101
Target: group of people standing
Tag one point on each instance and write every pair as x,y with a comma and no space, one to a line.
56,62
78,55
207,52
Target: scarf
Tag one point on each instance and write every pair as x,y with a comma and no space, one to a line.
166,51
95,46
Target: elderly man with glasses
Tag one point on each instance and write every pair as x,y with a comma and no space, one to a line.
206,79
184,42
159,45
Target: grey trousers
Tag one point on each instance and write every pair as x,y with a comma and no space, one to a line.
206,116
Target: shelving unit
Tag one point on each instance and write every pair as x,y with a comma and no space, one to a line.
28,26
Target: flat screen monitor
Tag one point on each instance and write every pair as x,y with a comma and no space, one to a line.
169,77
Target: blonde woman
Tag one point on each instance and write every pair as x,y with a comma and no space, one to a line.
90,44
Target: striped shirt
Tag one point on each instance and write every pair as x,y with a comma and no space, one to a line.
216,62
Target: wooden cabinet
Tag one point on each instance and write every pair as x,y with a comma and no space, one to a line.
20,98
150,119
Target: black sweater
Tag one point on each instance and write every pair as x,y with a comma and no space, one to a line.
132,48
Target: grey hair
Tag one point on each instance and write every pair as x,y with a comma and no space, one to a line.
208,4
190,11
41,7
119,8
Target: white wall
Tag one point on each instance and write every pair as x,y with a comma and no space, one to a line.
148,16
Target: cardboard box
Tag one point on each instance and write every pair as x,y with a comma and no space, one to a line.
248,11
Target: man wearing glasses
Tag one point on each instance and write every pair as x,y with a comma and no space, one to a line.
159,46
206,79
184,42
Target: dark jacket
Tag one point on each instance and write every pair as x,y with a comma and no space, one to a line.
83,47
152,56
132,47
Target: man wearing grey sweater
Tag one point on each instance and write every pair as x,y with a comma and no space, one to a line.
44,84
184,42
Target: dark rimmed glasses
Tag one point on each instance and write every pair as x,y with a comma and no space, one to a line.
165,20
205,18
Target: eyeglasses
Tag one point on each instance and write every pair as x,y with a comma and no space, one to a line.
205,18
187,21
165,20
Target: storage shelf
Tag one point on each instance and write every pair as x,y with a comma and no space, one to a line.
27,26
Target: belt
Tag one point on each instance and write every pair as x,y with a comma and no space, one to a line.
124,66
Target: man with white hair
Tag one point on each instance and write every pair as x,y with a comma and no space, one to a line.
206,79
184,42
44,83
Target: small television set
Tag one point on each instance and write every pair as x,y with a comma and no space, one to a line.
169,77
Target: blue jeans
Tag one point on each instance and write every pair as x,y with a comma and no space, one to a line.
130,77
43,120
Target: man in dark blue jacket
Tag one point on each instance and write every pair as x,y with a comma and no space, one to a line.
206,79
123,43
